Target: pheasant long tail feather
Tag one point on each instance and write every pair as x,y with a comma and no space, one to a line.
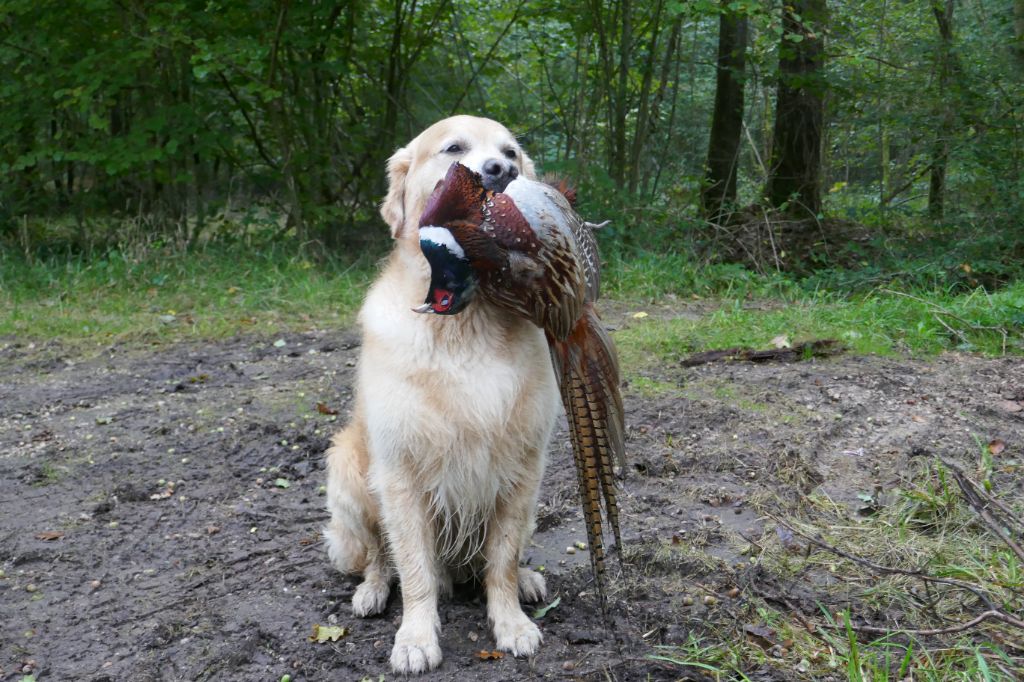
587,369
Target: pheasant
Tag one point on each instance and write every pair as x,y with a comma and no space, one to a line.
526,251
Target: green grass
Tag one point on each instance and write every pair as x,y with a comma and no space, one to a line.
222,289
951,544
881,322
164,294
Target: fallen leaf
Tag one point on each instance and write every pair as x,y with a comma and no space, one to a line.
283,483
543,611
761,636
327,633
1010,406
323,409
280,343
996,446
50,535
485,655
101,421
640,315
781,341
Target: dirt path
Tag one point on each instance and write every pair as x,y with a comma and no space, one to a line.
161,507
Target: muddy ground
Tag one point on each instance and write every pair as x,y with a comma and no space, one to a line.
161,508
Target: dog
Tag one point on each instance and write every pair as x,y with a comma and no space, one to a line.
436,476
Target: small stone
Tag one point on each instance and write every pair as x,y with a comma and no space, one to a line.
568,666
473,636
31,587
570,550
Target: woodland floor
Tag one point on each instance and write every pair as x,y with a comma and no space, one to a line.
161,508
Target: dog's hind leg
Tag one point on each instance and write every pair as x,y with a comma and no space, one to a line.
354,542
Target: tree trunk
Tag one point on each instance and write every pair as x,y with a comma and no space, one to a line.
1018,32
622,94
943,11
727,122
795,171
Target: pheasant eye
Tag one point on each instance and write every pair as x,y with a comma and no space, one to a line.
442,300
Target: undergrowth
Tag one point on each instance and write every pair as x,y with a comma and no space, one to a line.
166,294
135,288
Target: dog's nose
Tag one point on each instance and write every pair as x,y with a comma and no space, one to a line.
497,174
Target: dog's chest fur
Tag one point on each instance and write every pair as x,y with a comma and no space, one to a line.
463,405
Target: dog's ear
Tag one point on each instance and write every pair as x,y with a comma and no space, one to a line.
529,170
392,209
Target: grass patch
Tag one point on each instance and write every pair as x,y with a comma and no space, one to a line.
165,294
873,624
924,560
161,292
883,322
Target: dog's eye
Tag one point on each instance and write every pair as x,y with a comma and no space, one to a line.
453,149
510,154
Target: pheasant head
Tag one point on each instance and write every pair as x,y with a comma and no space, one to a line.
452,279
457,204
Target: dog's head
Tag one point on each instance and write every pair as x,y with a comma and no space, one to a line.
481,144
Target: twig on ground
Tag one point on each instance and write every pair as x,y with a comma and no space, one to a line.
980,501
959,627
920,575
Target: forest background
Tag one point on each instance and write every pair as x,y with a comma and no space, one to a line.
739,148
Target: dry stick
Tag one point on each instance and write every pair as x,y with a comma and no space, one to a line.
889,569
978,501
980,618
1011,516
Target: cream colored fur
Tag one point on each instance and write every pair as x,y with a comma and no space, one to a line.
438,472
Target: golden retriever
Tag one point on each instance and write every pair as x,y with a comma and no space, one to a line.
437,474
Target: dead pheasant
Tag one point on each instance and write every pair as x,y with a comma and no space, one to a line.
526,251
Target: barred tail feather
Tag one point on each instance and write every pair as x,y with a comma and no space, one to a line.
588,372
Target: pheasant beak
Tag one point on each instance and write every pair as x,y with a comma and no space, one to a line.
425,308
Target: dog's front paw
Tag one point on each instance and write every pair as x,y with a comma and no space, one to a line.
416,650
517,634
370,598
532,587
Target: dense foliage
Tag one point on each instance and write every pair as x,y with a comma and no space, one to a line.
180,112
